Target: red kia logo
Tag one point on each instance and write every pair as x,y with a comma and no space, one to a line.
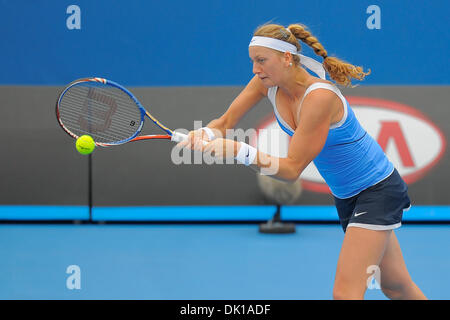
411,141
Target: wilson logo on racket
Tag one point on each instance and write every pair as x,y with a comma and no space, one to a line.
411,141
102,111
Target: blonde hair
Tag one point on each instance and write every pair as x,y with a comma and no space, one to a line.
340,71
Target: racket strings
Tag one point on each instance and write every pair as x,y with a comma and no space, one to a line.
73,118
77,100
106,113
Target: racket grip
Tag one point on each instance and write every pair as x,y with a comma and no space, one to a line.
178,137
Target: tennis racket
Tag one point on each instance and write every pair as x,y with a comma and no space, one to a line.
107,112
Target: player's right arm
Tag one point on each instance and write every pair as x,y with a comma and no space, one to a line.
248,98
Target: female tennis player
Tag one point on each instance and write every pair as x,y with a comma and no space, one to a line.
369,193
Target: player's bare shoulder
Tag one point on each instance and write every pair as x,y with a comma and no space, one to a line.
320,101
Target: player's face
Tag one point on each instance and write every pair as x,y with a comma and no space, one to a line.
267,64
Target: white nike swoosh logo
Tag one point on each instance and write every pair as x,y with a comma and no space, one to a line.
360,213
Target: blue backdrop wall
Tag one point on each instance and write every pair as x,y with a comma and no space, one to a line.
197,43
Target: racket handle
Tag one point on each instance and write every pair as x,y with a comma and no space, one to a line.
178,137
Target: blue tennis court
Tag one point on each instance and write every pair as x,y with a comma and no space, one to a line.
205,261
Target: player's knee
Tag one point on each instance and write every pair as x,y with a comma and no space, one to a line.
345,292
397,291
393,294
338,294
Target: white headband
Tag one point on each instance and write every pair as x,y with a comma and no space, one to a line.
283,46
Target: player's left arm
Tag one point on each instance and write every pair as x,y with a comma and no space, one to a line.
307,142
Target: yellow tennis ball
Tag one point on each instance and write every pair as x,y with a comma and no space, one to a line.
85,144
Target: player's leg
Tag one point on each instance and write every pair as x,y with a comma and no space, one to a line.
361,249
396,282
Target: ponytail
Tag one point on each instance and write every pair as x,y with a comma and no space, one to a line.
340,71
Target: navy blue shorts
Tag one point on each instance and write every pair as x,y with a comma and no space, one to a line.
379,207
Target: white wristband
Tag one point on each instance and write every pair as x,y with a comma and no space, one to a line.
209,132
246,154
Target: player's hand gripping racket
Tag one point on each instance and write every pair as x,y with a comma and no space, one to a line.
107,112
